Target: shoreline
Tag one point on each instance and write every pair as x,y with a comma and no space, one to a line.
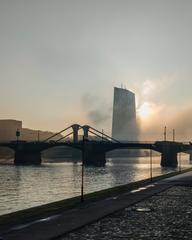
46,210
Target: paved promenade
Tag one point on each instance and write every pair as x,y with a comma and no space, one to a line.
163,216
161,210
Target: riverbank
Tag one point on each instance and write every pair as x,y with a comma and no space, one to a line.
57,215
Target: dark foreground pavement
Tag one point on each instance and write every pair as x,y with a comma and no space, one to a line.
161,210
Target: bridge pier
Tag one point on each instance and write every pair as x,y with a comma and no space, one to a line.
169,158
76,154
190,156
25,157
93,157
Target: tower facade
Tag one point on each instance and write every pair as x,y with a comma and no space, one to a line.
124,126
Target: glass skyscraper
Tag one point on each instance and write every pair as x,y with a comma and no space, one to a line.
124,126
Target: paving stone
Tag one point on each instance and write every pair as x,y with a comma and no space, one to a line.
167,216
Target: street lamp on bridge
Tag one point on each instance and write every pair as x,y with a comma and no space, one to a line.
17,134
165,133
173,135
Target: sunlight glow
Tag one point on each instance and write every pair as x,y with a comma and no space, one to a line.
145,110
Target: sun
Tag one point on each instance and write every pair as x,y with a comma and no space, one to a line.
145,110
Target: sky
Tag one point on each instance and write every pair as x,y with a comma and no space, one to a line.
59,62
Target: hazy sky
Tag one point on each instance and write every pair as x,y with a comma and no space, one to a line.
60,59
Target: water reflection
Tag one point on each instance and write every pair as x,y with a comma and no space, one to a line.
26,186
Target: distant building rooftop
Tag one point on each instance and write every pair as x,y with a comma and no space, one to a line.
124,90
10,120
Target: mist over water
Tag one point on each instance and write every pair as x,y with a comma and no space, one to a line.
97,110
22,187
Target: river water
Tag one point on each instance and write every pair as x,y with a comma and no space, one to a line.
22,187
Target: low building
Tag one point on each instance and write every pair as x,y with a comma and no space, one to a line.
9,127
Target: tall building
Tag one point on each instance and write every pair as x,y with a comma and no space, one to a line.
124,126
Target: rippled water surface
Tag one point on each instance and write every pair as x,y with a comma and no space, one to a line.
26,186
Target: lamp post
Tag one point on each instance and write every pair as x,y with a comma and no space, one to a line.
173,135
82,171
151,169
38,135
102,134
180,162
17,135
165,133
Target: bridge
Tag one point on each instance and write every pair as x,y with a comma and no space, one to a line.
93,151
